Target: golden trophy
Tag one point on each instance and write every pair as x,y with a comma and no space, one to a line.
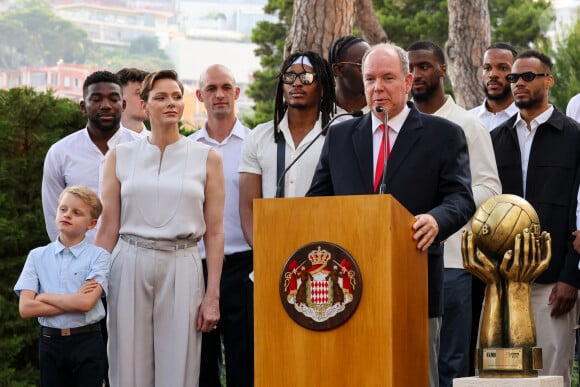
507,252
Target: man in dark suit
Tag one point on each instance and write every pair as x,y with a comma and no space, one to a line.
427,167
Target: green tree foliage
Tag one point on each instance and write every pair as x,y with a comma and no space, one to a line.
270,40
566,68
143,53
408,21
34,36
521,22
29,123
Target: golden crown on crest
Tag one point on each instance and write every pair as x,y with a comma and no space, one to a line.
319,256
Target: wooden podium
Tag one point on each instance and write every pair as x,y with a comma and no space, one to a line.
385,342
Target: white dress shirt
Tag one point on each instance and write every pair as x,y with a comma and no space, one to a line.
395,123
230,149
144,133
526,138
74,160
493,120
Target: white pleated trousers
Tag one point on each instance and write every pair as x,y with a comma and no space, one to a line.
153,301
556,336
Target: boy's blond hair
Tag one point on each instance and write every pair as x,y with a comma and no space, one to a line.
87,195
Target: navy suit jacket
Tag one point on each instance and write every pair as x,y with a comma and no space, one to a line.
427,172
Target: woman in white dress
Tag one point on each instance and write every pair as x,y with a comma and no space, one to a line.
160,195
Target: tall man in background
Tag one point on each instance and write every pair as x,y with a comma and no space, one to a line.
427,64
225,133
345,58
538,158
498,105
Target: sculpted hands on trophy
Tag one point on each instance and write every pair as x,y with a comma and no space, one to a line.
506,250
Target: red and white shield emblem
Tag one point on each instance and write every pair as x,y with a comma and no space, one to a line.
320,286
319,294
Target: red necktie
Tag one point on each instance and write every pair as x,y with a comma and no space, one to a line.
381,159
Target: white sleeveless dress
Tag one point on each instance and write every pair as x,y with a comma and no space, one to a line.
154,295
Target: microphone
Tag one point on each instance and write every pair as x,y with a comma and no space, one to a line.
383,186
279,184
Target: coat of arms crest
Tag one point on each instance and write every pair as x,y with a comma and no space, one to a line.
320,286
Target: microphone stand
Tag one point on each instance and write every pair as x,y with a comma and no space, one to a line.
356,113
383,186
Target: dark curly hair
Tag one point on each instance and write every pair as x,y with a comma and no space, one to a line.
325,81
503,46
543,58
428,46
100,76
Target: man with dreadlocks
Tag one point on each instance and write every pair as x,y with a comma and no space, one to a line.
303,106
345,58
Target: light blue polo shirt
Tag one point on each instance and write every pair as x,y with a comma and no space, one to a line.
57,269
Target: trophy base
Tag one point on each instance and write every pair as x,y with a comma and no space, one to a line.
509,362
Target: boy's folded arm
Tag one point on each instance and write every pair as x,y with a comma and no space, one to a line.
29,306
82,301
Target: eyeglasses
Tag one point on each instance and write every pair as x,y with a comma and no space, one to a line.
527,76
359,65
290,76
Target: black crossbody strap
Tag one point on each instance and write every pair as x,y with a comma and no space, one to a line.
281,162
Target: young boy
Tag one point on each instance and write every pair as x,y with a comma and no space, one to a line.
61,284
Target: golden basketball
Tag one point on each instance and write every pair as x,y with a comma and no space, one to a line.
498,220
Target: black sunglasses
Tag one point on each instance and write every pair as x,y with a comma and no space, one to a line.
305,77
527,76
